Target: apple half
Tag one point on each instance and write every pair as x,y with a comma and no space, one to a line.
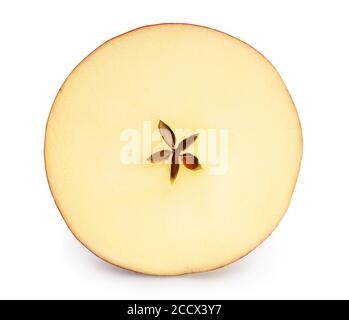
189,77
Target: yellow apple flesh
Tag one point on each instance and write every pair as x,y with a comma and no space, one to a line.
190,77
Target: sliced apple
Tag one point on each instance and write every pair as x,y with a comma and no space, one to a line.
188,77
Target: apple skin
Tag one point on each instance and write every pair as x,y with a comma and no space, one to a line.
183,273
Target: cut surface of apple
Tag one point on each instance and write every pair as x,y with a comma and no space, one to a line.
249,146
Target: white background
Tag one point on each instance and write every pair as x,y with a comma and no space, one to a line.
306,257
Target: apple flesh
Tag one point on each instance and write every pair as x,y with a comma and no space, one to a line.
190,77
